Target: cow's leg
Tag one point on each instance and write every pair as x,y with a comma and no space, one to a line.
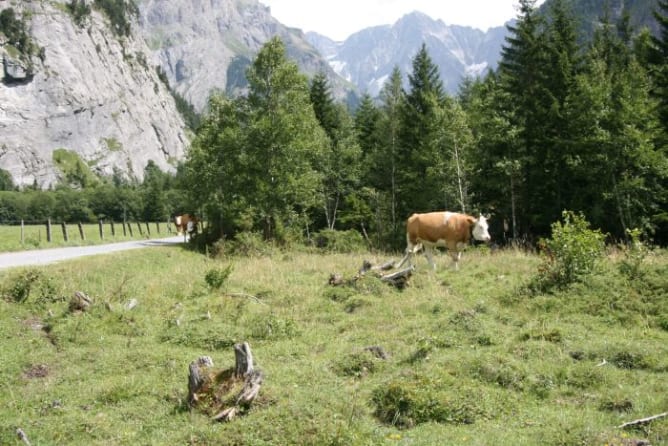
456,255
430,259
410,250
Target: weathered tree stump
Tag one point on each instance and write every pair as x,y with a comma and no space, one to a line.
398,279
80,301
224,393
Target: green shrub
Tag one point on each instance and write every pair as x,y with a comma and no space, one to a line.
248,244
271,327
34,284
570,254
80,11
19,288
331,240
635,253
357,364
407,403
215,278
121,13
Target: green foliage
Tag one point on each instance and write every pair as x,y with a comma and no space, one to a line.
358,364
248,244
635,254
410,402
80,10
571,253
19,290
74,170
32,284
15,30
6,181
253,164
339,241
216,278
121,13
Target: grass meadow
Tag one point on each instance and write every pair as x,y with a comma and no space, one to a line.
35,236
471,357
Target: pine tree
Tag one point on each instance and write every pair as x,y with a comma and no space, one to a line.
660,62
418,186
620,169
383,162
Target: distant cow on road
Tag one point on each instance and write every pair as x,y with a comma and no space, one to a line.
445,229
186,224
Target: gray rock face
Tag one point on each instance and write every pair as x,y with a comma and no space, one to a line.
92,92
204,46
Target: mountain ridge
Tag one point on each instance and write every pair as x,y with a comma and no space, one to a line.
366,58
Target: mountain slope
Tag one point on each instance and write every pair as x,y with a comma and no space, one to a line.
206,46
367,57
88,91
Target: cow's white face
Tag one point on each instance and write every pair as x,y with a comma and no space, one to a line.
480,229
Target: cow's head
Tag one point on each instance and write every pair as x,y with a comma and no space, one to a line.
480,229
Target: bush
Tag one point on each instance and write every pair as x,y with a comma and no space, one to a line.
248,244
339,241
407,403
121,13
216,277
635,254
80,11
570,255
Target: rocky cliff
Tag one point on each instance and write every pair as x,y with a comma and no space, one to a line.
87,90
205,46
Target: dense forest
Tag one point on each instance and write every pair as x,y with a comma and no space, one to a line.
564,123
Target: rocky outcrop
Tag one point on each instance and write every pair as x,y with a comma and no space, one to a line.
206,46
91,92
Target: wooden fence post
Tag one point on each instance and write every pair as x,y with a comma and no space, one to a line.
101,229
129,229
148,230
81,232
65,237
48,230
141,233
113,230
157,227
22,232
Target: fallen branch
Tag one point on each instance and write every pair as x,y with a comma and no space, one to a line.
249,296
367,266
643,420
22,436
400,278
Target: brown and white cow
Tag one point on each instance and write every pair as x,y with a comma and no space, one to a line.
186,224
443,229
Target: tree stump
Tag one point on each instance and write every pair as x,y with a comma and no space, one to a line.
224,393
80,301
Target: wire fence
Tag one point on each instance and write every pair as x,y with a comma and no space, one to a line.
22,234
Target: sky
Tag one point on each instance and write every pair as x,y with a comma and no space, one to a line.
338,19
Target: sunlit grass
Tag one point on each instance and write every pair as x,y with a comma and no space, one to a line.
478,361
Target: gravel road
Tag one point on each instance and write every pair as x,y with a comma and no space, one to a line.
44,256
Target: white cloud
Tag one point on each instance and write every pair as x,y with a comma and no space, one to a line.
338,19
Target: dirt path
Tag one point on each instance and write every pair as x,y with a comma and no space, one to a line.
44,256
